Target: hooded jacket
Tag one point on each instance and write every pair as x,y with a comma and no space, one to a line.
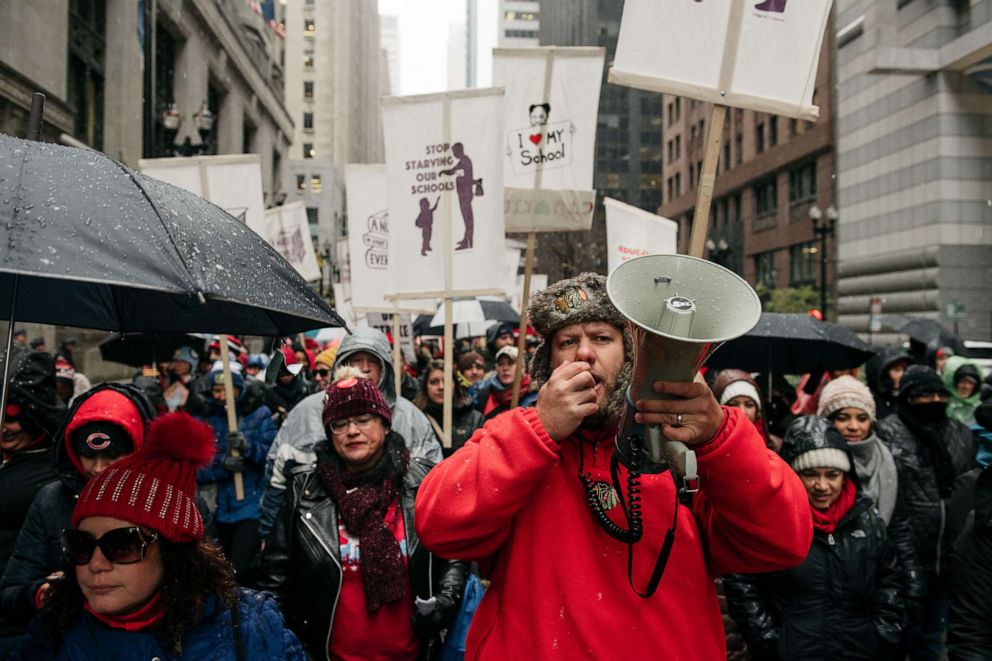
304,428
512,497
38,550
961,408
877,378
844,600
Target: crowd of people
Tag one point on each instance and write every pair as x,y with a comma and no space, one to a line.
830,518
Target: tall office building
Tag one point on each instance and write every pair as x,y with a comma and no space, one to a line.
335,74
457,56
519,23
914,152
389,41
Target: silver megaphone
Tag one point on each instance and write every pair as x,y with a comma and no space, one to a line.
680,310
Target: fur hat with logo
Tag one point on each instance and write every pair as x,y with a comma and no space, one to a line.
155,487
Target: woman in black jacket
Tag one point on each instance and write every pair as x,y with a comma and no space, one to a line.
343,558
844,601
465,419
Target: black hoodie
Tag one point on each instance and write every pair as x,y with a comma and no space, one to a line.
881,386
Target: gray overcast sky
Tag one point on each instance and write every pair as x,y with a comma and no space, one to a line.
423,26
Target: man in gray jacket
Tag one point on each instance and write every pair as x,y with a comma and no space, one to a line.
368,350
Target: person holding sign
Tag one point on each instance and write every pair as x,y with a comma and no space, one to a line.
530,497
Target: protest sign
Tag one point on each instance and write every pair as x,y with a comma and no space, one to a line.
753,54
288,231
550,109
632,232
443,157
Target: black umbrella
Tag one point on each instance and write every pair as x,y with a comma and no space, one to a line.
90,243
792,344
473,313
922,330
137,349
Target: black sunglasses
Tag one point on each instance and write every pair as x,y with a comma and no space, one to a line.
322,372
121,546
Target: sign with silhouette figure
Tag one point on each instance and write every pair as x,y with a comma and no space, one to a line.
443,158
367,194
757,54
549,114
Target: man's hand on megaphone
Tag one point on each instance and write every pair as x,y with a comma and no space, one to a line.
692,418
566,399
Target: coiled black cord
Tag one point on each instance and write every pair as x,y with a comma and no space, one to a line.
631,511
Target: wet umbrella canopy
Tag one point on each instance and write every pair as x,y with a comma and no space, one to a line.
97,245
792,344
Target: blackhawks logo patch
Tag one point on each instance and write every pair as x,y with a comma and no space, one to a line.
570,299
606,495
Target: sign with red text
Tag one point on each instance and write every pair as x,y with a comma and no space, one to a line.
550,110
633,232
443,158
757,54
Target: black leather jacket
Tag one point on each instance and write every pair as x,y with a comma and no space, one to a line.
301,563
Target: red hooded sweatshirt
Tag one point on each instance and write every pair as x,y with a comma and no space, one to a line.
511,496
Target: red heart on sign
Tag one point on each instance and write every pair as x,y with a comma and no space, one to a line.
536,138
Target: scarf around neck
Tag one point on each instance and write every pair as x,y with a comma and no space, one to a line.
140,620
876,471
363,500
826,520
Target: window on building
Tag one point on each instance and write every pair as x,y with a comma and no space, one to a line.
308,121
678,184
802,182
308,59
759,137
313,220
650,199
702,129
734,211
308,89
726,155
301,182
766,197
248,132
308,150
678,107
738,149
315,183
522,34
87,45
309,27
772,131
651,166
678,147
670,184
692,135
692,178
671,113
764,268
802,264
671,151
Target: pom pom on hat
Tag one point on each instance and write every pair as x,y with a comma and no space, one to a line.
353,396
155,487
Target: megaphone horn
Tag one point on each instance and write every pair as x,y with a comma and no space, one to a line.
680,309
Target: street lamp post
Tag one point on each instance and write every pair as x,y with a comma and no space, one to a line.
203,120
823,228
719,252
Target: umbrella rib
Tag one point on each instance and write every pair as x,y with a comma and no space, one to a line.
158,215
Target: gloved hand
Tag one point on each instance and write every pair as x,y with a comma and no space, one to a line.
237,441
234,464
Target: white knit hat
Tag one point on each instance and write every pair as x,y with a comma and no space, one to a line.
738,388
823,458
845,392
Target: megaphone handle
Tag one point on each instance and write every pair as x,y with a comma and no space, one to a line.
678,455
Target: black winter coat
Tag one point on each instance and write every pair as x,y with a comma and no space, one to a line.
969,637
922,493
843,602
301,563
464,421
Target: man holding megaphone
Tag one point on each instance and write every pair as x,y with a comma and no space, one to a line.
562,520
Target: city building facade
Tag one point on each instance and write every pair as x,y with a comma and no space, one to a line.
519,23
914,152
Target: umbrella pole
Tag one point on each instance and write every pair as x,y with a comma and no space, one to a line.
6,354
704,194
522,338
232,415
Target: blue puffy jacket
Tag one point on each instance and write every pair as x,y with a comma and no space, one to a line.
263,636
259,430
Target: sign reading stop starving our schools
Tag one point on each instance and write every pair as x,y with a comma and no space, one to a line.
440,173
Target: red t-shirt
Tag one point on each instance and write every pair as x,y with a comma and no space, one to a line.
356,634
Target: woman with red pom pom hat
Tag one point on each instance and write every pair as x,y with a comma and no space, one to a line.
140,580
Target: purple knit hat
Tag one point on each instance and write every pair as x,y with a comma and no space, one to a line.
354,396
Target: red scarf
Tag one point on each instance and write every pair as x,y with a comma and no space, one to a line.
826,520
502,398
144,618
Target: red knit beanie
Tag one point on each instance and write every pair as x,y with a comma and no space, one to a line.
155,487
354,396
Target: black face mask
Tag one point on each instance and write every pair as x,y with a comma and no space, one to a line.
929,413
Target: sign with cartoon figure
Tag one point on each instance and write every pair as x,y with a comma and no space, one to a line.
757,54
443,158
550,109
